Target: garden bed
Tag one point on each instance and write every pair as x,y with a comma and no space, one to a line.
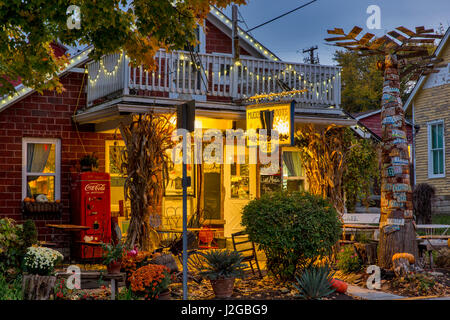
434,282
248,289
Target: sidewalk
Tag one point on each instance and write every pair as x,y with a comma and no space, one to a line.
367,294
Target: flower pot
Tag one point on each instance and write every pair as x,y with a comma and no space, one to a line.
114,267
165,295
223,288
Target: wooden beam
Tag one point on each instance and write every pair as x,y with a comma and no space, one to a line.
406,31
337,31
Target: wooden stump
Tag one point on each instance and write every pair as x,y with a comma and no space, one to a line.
401,267
36,287
367,252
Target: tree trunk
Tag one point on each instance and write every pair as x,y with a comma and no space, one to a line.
36,287
397,228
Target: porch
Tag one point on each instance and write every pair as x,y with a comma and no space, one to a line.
211,77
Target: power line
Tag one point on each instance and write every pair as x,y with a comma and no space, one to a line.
284,14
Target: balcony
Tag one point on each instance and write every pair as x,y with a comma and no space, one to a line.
211,77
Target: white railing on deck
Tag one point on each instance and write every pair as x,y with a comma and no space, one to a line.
216,75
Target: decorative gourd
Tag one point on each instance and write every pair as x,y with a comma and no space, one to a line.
407,256
339,285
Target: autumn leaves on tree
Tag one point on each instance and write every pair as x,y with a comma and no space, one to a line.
140,27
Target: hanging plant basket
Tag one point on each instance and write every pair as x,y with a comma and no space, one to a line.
41,207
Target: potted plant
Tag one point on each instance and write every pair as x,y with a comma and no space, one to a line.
221,268
112,257
39,264
89,162
151,282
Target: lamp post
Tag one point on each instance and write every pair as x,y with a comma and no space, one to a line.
185,121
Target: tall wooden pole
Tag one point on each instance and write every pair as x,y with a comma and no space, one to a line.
397,227
403,50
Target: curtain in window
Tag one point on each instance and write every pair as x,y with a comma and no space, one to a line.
37,156
293,163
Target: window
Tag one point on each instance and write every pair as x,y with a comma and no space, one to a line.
113,163
239,179
41,168
294,178
436,149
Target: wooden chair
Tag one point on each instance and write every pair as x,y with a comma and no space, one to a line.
248,251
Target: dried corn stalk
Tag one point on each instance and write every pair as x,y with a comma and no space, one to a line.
147,140
323,153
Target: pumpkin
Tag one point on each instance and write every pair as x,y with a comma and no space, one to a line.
407,256
339,285
58,201
27,199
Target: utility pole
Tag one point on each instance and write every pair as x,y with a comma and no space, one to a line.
312,59
235,33
235,49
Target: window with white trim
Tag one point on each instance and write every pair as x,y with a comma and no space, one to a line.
294,177
436,149
113,164
41,168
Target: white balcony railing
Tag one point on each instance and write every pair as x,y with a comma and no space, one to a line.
214,75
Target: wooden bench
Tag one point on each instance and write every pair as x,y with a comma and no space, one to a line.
360,221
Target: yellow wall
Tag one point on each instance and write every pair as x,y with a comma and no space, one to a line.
433,104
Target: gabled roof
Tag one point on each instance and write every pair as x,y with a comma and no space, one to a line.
246,37
22,91
422,79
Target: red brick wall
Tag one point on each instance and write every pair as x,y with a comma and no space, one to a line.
217,41
47,116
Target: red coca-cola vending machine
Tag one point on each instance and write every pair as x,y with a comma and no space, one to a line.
91,207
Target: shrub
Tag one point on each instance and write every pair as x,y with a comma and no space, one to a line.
12,247
423,195
293,229
41,260
222,264
315,282
29,234
11,290
150,281
347,260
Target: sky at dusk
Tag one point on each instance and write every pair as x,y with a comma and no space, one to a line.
308,26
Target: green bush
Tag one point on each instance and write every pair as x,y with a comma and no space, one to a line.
12,247
294,230
29,233
347,260
11,290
